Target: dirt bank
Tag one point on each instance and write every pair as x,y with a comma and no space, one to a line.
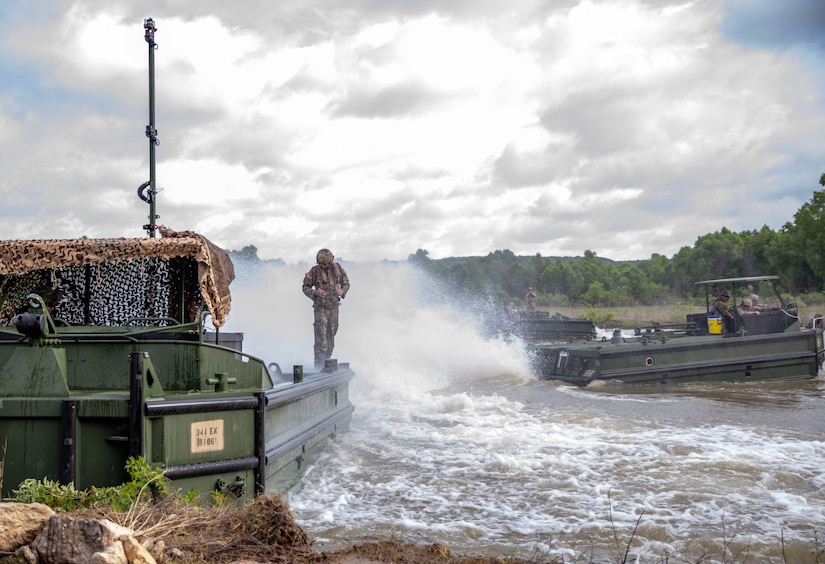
264,531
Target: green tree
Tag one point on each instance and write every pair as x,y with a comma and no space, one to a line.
596,294
720,253
716,255
591,270
249,252
560,278
468,276
658,268
420,258
632,285
534,270
505,274
810,236
797,250
755,259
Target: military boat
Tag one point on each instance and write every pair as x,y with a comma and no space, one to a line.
112,349
768,344
106,353
535,327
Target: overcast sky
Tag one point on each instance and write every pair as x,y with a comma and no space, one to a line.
378,127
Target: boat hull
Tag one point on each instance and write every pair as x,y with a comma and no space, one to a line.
541,327
662,360
536,329
212,417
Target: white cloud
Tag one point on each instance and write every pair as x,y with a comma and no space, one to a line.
618,126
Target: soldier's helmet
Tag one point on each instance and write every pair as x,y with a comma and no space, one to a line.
324,256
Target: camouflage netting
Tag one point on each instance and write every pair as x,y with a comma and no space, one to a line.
112,281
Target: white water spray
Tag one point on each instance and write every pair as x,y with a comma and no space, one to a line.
392,332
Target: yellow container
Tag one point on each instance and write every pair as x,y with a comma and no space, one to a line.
715,325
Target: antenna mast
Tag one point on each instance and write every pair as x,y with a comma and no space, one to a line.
150,195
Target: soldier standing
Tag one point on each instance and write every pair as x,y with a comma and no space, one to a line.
531,299
326,284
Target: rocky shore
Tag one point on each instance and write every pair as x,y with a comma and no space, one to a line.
174,533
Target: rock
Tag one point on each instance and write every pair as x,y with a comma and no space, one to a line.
112,554
156,548
31,533
135,552
65,540
117,530
23,555
20,523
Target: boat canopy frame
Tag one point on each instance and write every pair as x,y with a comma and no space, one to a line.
741,281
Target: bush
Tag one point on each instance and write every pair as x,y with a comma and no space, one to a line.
600,318
146,484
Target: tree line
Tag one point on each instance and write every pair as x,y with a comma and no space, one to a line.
796,253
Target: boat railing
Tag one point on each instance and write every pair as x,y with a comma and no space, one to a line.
672,329
169,320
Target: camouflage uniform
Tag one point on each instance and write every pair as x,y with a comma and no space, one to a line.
745,307
531,300
329,280
721,307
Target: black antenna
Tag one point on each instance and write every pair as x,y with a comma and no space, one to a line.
150,195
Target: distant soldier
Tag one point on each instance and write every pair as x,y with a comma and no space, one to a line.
758,306
326,284
745,308
720,307
531,299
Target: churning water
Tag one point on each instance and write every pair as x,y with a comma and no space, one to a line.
454,441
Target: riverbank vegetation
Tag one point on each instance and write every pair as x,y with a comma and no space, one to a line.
794,253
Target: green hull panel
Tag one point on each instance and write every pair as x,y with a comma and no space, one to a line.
239,440
781,356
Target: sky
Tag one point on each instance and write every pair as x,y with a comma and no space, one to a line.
379,127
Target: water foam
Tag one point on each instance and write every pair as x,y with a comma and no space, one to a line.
453,441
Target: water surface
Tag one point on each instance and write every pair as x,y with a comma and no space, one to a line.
454,441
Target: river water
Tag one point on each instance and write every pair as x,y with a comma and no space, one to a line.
454,441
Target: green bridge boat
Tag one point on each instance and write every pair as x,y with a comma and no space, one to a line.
106,354
768,345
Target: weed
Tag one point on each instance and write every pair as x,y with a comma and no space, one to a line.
600,318
147,482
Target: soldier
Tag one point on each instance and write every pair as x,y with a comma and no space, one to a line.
758,306
745,307
531,299
720,307
326,284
